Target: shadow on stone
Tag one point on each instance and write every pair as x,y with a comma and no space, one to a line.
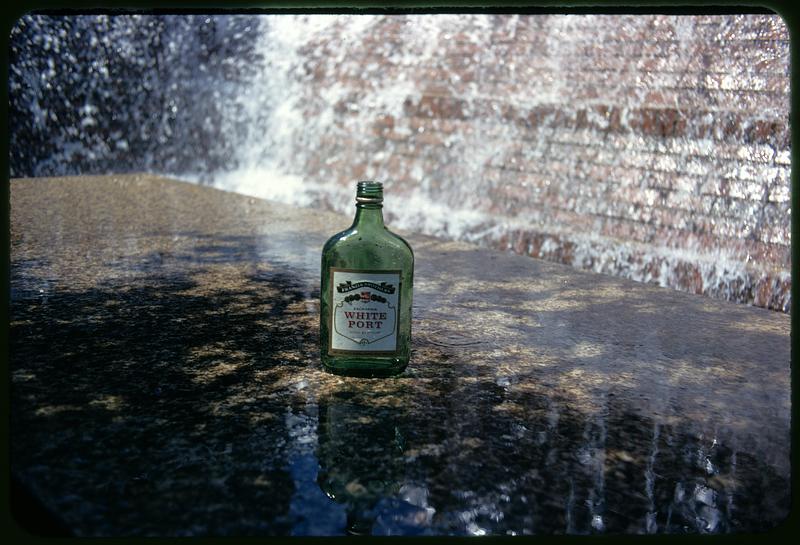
170,380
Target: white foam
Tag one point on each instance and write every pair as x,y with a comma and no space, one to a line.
272,185
281,137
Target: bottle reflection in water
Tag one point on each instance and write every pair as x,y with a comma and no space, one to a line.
360,453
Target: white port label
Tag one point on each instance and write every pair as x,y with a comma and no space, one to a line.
364,306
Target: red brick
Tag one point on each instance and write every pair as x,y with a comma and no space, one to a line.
608,157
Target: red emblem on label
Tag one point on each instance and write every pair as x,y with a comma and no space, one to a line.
365,296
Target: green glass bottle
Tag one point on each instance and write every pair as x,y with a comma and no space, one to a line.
365,294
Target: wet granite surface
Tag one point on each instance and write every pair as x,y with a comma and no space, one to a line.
166,381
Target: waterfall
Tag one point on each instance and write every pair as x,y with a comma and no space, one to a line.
650,147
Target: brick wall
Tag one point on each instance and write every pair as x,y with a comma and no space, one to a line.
652,147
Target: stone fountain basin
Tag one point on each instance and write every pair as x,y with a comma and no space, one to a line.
166,381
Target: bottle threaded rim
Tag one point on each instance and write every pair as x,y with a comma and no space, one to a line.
369,191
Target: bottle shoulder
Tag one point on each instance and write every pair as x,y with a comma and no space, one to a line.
367,249
336,239
402,241
354,237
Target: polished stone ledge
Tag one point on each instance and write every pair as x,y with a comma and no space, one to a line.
166,381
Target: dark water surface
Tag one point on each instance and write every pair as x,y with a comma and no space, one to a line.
166,381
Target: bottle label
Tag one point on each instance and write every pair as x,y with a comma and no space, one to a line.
364,306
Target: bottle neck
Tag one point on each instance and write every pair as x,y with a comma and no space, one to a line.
369,216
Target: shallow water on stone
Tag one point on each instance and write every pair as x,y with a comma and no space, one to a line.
172,386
